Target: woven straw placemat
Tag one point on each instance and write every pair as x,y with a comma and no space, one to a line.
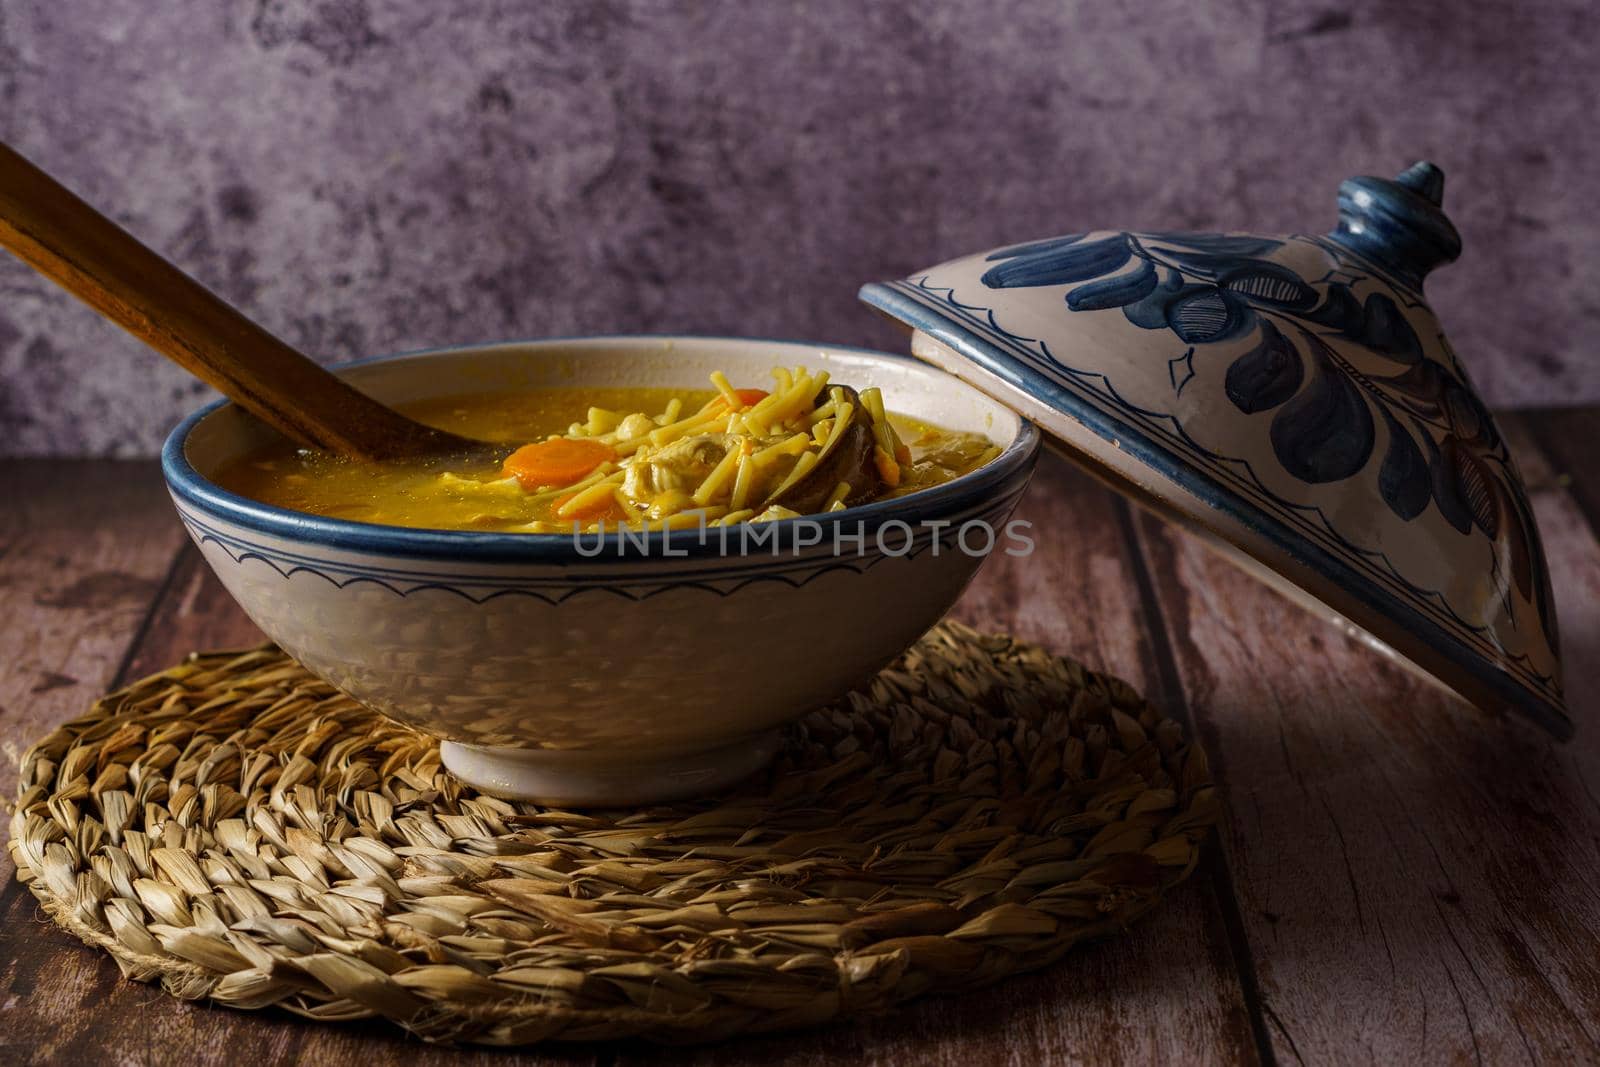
241,831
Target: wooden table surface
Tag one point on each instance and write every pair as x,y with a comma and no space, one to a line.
1397,879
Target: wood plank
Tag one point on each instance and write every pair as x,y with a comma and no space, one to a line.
1416,881
85,545
1167,990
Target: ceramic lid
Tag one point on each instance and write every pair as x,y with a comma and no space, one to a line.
1292,397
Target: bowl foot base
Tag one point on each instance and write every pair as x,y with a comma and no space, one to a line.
573,779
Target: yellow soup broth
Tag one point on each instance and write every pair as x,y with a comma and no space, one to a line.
659,458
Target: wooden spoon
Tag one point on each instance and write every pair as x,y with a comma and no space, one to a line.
88,255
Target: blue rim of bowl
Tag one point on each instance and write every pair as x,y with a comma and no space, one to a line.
1131,440
993,479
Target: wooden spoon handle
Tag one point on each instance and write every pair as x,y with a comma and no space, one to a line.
84,252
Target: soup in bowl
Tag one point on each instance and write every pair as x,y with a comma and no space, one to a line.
661,570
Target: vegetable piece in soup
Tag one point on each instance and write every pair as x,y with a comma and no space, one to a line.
588,459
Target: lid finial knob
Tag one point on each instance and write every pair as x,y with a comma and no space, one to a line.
1398,223
1426,180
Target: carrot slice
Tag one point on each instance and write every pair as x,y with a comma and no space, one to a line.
747,398
888,469
605,508
558,461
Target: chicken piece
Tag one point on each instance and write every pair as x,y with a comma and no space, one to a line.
635,425
682,465
495,488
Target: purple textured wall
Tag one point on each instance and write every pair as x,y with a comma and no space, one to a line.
371,177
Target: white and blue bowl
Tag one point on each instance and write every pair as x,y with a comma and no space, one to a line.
567,671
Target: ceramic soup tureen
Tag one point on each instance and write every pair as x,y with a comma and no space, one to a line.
1292,397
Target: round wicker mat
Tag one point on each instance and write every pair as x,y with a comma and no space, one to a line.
241,831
